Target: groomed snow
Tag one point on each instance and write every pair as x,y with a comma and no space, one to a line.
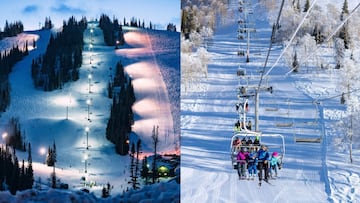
312,172
61,116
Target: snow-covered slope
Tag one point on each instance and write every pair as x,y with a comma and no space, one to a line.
61,116
312,172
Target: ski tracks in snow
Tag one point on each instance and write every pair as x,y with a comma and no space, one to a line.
344,184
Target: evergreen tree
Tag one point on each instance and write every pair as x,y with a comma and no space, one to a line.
34,44
22,179
307,6
344,10
51,156
138,151
14,183
155,140
145,170
132,166
106,190
53,179
295,64
344,34
29,170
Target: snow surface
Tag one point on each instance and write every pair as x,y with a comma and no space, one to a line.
312,172
61,116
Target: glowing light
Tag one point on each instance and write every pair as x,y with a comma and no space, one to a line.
65,101
42,150
87,129
88,102
4,135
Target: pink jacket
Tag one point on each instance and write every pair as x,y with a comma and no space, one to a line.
242,155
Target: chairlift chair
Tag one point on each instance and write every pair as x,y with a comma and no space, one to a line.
278,147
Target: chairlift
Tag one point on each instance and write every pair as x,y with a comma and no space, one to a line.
264,139
241,53
240,72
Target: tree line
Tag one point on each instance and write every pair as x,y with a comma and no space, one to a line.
112,31
63,57
12,29
14,177
7,61
121,118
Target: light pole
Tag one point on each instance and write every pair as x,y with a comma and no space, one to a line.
86,158
89,77
91,34
91,46
87,129
88,102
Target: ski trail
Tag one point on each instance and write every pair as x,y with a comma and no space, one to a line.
324,170
150,90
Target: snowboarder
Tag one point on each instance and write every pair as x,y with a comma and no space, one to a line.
263,158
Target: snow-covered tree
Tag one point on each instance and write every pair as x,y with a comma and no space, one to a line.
155,140
344,10
349,83
307,6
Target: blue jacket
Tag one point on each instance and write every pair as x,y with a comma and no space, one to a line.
252,159
263,155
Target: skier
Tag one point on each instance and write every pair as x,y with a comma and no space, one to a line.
256,141
263,157
252,164
243,141
237,127
236,142
249,141
249,125
275,163
241,159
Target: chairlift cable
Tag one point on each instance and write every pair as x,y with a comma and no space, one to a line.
292,38
271,42
339,95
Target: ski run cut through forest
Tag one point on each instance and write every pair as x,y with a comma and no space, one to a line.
73,118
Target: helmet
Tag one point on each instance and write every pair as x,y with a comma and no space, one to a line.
275,154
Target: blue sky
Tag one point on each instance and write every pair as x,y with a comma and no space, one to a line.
31,13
